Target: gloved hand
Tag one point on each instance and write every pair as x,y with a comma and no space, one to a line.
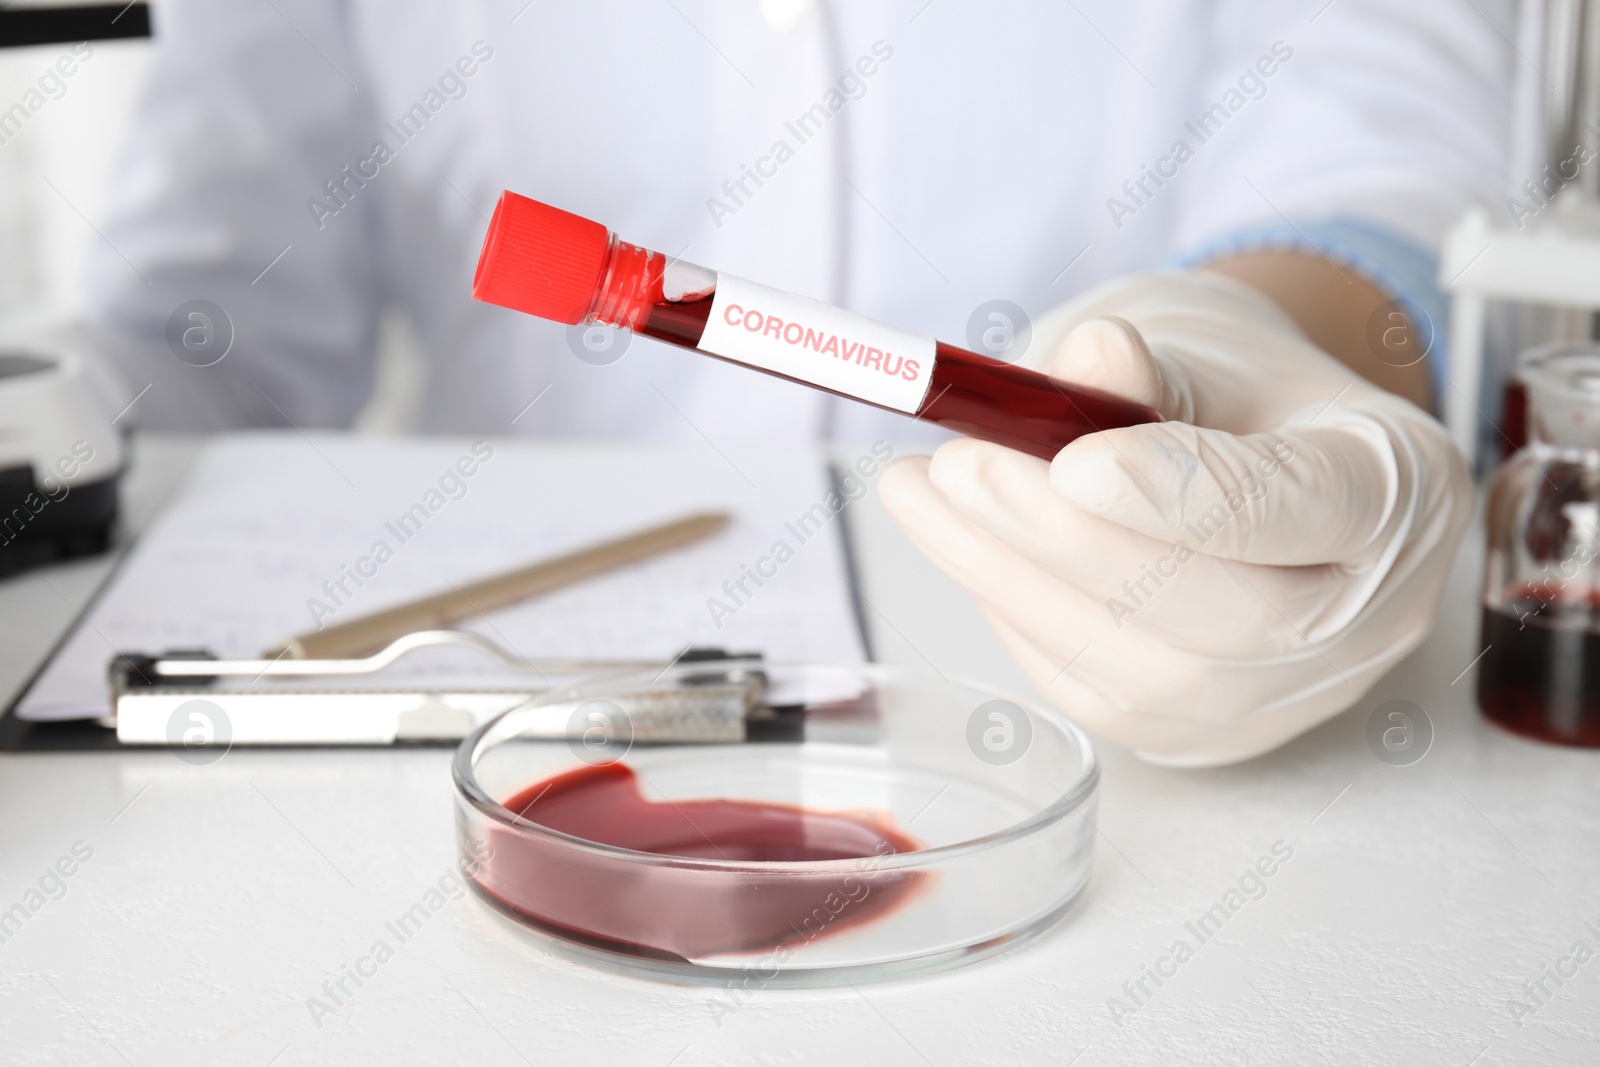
1206,588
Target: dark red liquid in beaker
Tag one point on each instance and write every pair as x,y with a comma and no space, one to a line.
1541,675
967,392
613,901
1513,418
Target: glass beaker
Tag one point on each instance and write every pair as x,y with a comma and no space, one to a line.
1540,674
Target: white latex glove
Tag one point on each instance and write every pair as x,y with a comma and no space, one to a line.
1202,589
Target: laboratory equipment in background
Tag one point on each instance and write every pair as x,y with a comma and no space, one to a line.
60,457
1553,264
60,453
26,24
1540,672
1528,272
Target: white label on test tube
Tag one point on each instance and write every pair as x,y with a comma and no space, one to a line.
819,344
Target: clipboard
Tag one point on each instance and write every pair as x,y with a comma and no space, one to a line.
423,728
171,698
202,706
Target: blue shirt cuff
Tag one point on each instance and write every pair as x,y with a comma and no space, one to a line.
1397,265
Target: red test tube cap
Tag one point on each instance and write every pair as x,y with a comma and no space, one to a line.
540,260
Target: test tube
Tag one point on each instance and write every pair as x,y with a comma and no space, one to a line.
556,265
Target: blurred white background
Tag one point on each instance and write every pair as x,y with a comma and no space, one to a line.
71,143
54,174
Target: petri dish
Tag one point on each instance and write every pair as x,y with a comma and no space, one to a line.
790,824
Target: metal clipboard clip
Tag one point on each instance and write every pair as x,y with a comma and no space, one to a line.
189,698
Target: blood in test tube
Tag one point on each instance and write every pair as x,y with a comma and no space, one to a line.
685,913
547,262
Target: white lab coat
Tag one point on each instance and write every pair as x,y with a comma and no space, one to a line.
984,158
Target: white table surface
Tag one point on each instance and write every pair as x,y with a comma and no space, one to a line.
1418,901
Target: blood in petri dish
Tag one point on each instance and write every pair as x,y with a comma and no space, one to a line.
614,901
1541,675
967,392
